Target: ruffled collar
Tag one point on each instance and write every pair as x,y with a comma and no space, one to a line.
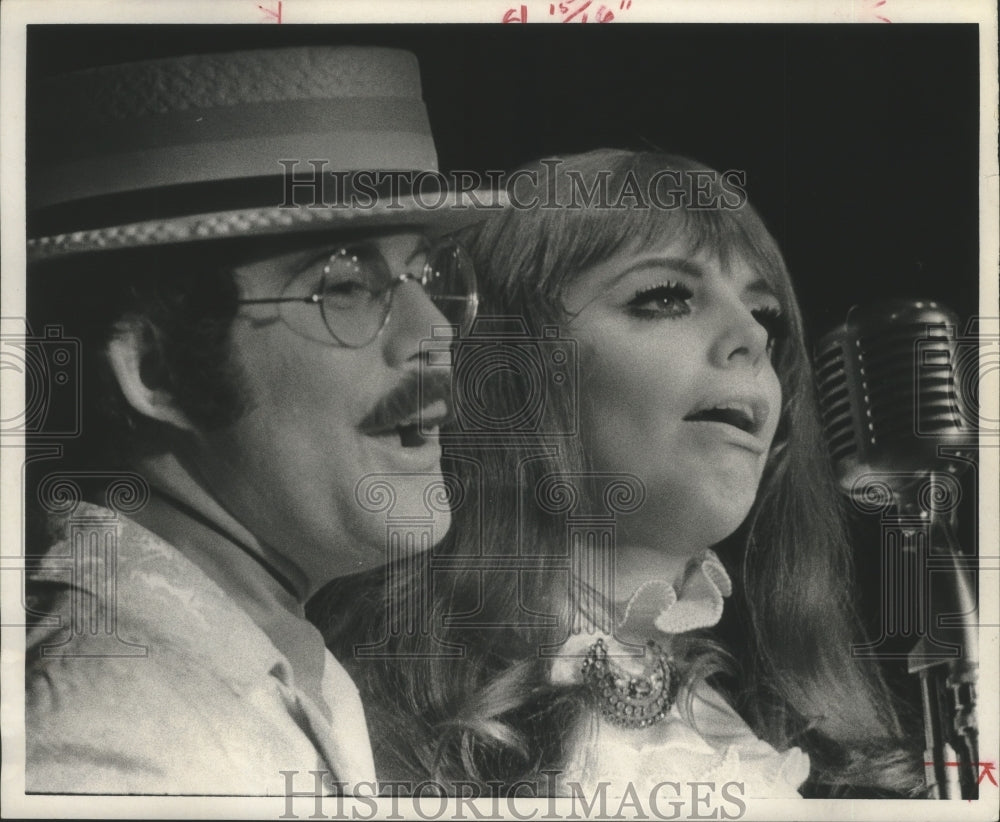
657,607
713,745
673,609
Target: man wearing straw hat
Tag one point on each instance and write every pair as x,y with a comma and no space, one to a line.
249,305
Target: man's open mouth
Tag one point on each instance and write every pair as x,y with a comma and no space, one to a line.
414,430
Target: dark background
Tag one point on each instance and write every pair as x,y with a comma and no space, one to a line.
860,143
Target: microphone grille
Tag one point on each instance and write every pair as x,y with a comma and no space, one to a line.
832,363
888,390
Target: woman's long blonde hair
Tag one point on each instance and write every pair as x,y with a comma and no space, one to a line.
492,714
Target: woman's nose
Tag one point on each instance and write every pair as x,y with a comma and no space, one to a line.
741,339
412,319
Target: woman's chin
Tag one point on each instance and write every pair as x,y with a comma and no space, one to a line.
693,519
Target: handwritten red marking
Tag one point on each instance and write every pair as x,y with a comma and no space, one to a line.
569,11
985,773
582,8
275,14
874,4
511,16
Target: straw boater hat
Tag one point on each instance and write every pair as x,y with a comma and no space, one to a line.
187,149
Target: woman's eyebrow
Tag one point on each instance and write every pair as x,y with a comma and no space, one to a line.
682,265
761,287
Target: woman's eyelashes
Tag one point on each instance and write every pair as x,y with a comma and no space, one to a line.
671,300
774,321
661,302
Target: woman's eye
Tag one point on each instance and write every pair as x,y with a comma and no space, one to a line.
663,301
774,322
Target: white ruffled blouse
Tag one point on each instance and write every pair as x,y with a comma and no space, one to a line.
720,749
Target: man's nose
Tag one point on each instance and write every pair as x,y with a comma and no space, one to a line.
412,319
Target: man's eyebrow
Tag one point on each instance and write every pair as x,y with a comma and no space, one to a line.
423,246
307,259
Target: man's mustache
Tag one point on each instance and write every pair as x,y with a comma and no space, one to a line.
406,403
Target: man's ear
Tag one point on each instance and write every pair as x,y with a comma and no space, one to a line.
134,359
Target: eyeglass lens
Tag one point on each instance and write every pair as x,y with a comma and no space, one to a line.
354,294
451,284
358,284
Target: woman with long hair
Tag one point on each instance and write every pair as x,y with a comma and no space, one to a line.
681,439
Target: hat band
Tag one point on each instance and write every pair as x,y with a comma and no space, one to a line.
226,162
238,142
92,138
267,191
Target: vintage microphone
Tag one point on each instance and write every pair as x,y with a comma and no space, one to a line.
899,431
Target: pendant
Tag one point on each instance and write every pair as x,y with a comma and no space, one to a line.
631,700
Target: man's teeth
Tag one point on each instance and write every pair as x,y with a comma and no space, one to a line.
425,421
413,431
410,437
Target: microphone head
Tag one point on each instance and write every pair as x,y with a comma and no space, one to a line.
889,394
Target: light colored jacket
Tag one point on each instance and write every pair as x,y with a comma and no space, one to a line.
144,676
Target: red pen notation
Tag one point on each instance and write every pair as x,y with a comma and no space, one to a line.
876,4
271,12
511,16
986,771
567,11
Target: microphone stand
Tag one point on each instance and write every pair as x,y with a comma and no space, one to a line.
947,661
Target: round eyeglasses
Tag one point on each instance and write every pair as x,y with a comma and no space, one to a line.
353,289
